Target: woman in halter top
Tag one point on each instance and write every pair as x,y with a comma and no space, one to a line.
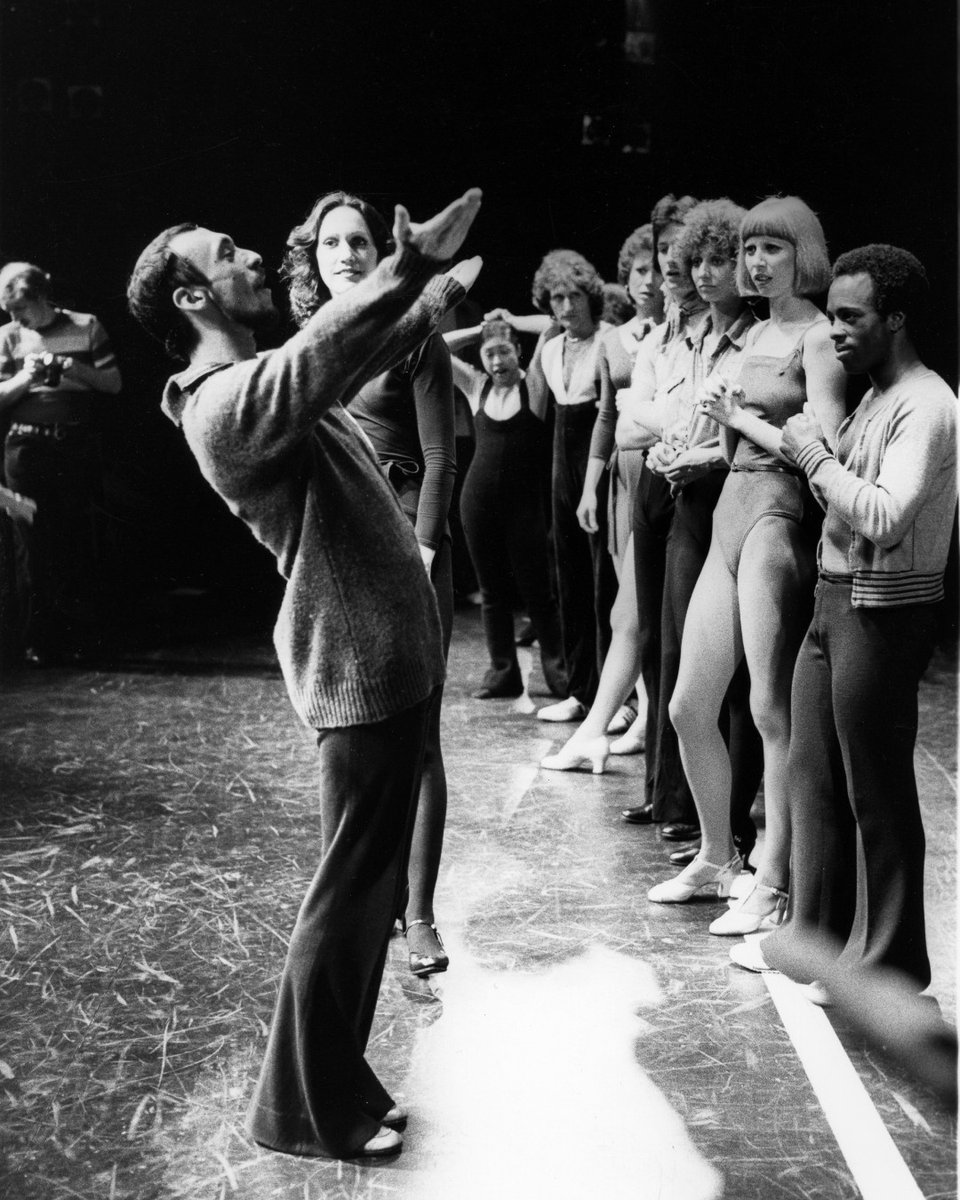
569,288
755,590
502,507
637,269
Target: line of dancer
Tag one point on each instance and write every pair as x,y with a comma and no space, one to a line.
733,432
667,548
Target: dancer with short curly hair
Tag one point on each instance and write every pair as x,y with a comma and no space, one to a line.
888,485
569,288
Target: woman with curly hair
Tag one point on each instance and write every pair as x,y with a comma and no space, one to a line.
408,415
637,270
569,288
690,459
754,594
661,364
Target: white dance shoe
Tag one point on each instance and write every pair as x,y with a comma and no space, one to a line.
768,907
564,710
574,755
694,878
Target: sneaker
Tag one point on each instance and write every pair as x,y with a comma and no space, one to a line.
564,710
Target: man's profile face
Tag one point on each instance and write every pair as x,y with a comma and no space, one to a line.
236,280
861,337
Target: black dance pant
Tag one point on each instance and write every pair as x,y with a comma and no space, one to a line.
586,583
316,1094
857,855
653,511
687,544
507,535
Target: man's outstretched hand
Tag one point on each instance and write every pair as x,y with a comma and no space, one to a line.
443,235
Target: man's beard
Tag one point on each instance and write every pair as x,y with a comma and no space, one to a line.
263,321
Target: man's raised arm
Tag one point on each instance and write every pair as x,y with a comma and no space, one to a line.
277,399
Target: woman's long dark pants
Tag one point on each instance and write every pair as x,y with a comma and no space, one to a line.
857,855
316,1094
687,544
652,517
586,583
507,535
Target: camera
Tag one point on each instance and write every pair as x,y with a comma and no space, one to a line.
52,370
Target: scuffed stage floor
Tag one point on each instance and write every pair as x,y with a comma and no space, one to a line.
157,823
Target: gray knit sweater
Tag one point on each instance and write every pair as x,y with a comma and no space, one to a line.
358,636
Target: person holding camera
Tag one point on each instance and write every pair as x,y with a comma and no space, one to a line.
53,365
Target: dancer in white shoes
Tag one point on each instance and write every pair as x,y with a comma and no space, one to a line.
889,491
637,270
570,289
755,591
659,361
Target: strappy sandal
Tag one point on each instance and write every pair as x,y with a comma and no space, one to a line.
427,964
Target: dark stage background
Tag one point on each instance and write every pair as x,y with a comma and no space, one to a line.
120,117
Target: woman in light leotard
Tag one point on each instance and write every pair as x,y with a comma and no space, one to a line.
755,589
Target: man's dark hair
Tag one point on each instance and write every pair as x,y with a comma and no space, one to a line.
157,275
900,283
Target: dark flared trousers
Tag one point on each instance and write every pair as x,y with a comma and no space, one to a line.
856,868
586,582
653,511
688,542
506,530
316,1094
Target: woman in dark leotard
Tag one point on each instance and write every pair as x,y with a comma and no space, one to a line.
408,415
754,593
502,508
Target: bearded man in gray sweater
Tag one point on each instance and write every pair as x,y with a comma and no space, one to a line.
358,635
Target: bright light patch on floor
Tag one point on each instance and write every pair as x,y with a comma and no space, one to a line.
529,1087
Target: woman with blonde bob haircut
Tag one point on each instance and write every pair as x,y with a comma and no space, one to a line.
754,595
789,219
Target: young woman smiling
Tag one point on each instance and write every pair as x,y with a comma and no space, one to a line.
408,415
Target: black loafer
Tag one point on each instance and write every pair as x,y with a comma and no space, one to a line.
498,693
685,855
679,831
638,816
